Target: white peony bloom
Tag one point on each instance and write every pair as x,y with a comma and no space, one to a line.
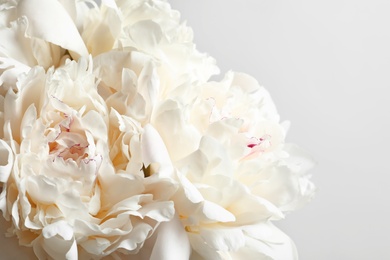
241,175
113,140
75,186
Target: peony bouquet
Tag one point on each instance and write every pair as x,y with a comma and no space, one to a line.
115,144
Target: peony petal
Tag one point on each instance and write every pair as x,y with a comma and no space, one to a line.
94,122
110,3
60,228
42,189
154,151
201,250
46,19
57,241
15,45
169,236
190,191
270,241
146,34
10,70
101,30
215,212
224,239
149,86
27,124
159,211
6,161
171,121
126,187
136,237
96,245
117,226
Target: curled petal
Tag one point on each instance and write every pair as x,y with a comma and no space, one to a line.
6,160
154,151
56,242
41,14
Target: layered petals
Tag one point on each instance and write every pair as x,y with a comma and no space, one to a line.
115,144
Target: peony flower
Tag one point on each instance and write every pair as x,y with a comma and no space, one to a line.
65,194
114,142
241,175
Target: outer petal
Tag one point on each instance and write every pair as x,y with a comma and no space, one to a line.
268,240
56,241
6,161
46,19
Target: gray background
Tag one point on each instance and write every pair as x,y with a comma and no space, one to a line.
326,64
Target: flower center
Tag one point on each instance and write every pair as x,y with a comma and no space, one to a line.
69,145
75,152
258,146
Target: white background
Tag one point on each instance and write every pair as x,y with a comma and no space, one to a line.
327,66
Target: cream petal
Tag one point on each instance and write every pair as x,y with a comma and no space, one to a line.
110,3
47,18
15,44
223,239
15,213
171,121
3,203
96,245
6,161
160,211
70,7
108,67
59,249
149,86
216,213
203,251
101,30
10,70
154,151
135,239
95,203
270,241
45,53
251,209
126,186
162,189
60,228
284,189
69,202
140,38
190,191
16,104
168,236
94,122
42,189
118,226
56,241
28,120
